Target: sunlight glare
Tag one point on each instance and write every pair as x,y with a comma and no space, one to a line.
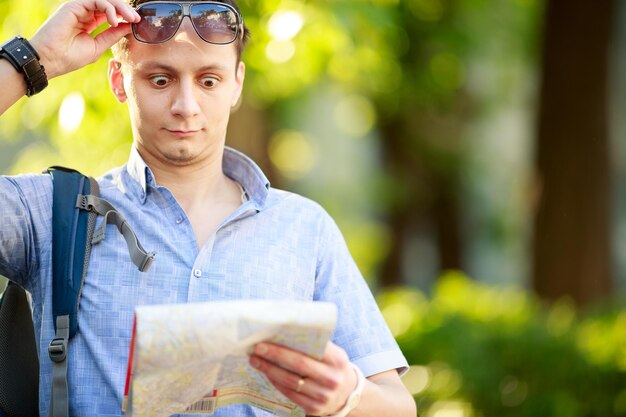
284,25
71,112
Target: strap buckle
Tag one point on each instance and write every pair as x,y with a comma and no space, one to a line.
82,203
57,349
147,262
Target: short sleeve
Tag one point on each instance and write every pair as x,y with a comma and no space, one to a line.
25,215
361,329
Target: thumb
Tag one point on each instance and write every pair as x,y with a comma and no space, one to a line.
335,356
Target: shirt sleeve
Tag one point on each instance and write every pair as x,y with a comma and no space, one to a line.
361,329
25,214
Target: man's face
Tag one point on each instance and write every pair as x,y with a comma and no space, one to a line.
179,95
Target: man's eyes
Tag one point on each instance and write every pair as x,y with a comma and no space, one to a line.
163,80
209,81
159,80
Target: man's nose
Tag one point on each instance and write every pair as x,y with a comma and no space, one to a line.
186,103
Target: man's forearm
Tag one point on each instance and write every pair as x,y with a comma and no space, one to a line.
384,395
13,85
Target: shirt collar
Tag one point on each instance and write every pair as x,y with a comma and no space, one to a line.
246,172
235,164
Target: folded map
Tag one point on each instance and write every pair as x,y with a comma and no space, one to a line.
193,358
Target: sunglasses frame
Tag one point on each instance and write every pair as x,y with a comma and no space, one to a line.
186,10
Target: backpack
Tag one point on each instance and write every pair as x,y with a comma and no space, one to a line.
75,206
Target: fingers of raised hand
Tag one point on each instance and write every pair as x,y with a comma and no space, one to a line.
112,9
64,41
107,38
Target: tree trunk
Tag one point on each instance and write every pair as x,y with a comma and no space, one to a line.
430,197
249,132
572,241
399,215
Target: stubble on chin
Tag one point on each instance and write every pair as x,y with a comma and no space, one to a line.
179,157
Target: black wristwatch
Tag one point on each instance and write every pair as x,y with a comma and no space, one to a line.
21,54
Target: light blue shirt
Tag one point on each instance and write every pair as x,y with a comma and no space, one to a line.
276,245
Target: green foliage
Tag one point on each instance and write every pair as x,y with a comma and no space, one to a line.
496,352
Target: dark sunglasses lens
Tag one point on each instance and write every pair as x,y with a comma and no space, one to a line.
159,22
215,23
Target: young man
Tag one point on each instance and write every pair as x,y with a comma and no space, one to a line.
219,230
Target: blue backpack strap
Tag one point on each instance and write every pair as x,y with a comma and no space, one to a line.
72,229
71,237
76,203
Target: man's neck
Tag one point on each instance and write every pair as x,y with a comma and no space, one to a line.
194,184
204,192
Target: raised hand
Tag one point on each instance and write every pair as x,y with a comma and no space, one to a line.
64,41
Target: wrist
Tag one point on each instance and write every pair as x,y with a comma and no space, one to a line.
43,56
46,56
355,396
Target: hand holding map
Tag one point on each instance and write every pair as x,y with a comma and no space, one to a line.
193,358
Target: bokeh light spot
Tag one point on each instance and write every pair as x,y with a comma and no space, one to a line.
399,317
560,318
284,25
445,381
513,391
355,115
71,112
280,51
450,409
292,153
417,379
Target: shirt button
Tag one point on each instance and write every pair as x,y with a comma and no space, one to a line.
197,273
179,220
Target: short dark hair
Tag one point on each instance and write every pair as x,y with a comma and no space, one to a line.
121,48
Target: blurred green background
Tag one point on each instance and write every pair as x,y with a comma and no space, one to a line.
449,139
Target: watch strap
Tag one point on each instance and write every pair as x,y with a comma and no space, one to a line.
25,59
355,396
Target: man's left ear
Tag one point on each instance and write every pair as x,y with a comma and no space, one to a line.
239,77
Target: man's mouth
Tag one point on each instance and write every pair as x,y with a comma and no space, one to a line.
182,133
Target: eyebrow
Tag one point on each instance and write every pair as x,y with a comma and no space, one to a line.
151,66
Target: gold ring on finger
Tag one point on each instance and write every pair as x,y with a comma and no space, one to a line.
300,385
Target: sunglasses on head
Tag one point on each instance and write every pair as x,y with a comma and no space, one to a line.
214,22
